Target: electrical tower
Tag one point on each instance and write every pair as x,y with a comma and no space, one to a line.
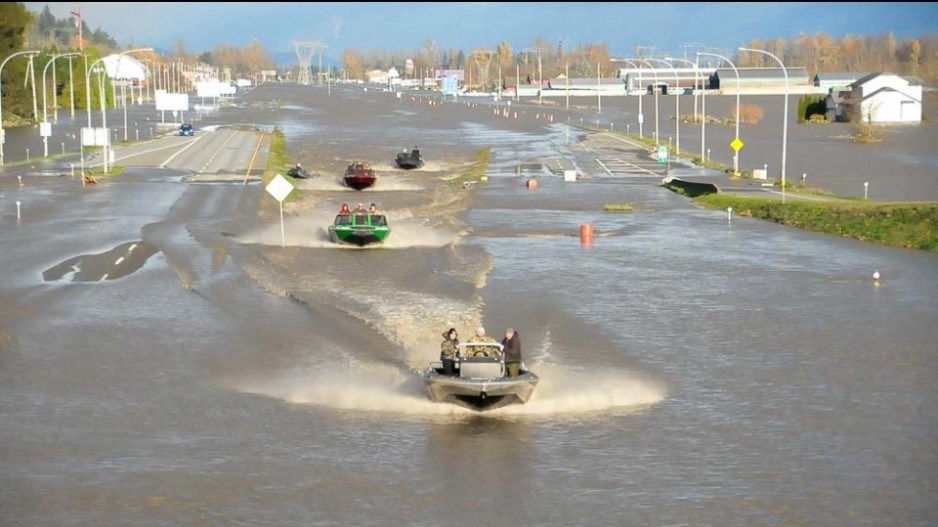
483,61
304,50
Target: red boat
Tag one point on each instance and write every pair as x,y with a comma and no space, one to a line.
359,175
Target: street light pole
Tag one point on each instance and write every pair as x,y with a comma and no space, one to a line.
677,107
696,81
45,70
101,93
641,117
2,64
738,117
655,72
785,118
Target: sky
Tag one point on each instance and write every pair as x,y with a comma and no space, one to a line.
666,26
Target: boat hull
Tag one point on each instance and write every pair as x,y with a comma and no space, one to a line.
479,394
358,236
359,182
408,162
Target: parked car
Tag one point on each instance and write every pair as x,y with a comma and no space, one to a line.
186,130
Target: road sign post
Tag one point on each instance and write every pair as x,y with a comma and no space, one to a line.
279,187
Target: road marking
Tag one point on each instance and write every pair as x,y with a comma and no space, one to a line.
604,167
119,260
134,154
170,159
260,140
103,277
209,162
132,247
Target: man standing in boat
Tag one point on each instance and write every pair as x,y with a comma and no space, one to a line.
449,351
511,347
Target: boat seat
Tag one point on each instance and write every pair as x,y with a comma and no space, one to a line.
480,368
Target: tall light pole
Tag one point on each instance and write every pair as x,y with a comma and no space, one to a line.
45,70
677,107
2,64
540,80
738,117
101,94
641,117
655,72
703,116
696,79
785,118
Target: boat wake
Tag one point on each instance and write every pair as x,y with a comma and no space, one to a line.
312,231
370,387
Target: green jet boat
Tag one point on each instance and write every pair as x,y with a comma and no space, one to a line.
359,228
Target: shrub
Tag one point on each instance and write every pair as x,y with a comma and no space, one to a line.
750,113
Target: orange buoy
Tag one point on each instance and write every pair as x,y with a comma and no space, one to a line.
532,184
586,234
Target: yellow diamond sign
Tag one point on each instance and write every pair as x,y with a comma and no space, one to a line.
737,144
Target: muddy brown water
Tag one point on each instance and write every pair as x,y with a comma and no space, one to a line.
694,371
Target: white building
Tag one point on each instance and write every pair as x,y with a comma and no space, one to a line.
882,98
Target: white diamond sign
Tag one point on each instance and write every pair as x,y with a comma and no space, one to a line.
279,188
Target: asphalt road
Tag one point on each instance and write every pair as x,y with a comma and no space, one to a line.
211,154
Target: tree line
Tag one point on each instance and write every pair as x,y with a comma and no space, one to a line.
821,52
485,63
21,29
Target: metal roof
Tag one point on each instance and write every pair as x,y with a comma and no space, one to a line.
795,73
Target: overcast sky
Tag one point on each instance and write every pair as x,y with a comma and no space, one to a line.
483,24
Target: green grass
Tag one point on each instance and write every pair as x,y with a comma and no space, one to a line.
276,157
113,170
618,207
907,225
475,171
277,162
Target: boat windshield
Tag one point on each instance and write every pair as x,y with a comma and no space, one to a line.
343,219
378,219
360,219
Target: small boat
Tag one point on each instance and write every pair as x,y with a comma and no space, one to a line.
359,175
359,227
409,160
480,383
298,172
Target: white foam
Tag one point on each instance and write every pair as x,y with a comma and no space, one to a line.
562,391
313,231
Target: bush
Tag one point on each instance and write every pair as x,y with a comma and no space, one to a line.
750,113
809,105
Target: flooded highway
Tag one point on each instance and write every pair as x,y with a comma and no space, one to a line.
694,370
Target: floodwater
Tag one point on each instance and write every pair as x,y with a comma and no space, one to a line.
695,370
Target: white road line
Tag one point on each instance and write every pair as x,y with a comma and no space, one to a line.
170,159
214,155
135,154
584,146
131,249
604,167
119,260
103,277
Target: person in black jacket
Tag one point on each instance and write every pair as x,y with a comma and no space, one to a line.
511,347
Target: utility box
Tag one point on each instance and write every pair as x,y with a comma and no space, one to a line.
759,173
569,175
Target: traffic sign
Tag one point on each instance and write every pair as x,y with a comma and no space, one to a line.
279,188
737,144
662,153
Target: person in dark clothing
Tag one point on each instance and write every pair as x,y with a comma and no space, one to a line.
449,351
511,347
